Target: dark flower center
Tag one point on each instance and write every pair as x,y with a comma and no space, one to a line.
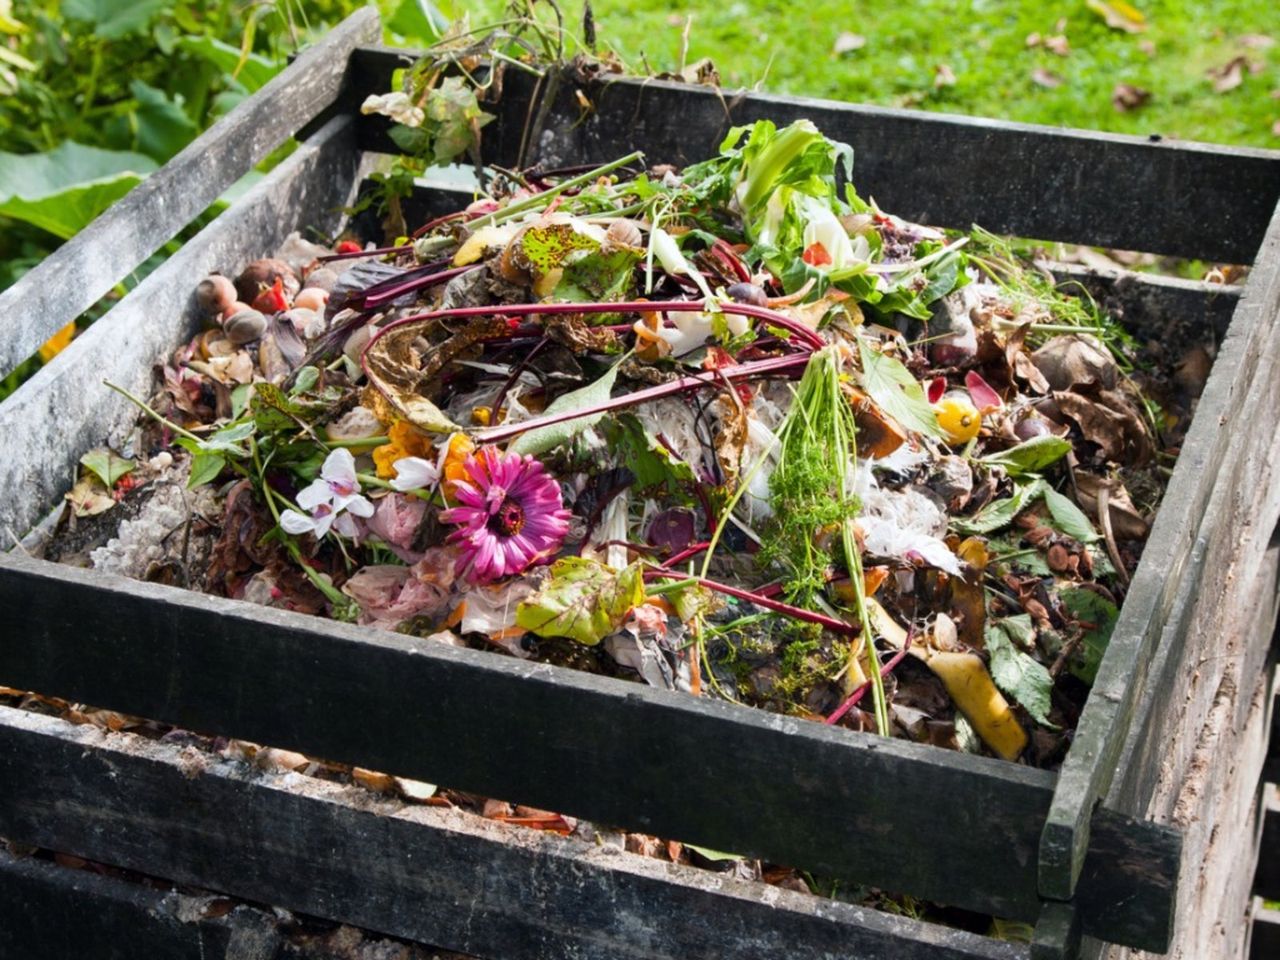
509,519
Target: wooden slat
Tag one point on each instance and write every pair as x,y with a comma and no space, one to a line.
48,912
1213,445
82,270
1151,306
832,801
1266,881
1163,196
422,873
1057,934
65,410
1265,938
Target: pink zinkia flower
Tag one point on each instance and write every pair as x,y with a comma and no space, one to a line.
510,515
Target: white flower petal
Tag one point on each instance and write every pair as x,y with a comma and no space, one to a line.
316,493
414,473
291,521
359,506
323,523
344,525
340,467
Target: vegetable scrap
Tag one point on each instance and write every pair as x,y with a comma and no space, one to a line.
731,430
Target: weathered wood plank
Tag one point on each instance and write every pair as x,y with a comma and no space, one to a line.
64,410
87,266
48,912
1265,936
1211,446
832,801
1266,882
1155,307
422,873
1163,196
1057,935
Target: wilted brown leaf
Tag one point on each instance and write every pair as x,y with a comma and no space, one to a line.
1058,44
943,76
848,42
89,497
373,780
1119,15
1034,39
1228,76
1255,41
1126,97
1045,78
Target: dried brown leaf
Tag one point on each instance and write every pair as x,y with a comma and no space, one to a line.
1046,78
1228,76
1126,97
1119,15
943,76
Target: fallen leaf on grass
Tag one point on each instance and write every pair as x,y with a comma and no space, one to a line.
1255,41
1058,44
1119,15
943,76
1148,47
1231,74
1126,97
1275,129
1045,78
848,42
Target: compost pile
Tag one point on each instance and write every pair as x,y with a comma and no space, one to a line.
729,430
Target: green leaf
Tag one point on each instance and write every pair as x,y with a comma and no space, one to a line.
896,391
253,74
597,275
160,126
240,399
1068,518
1000,513
205,468
418,20
713,855
63,190
1097,616
1029,457
541,439
654,467
113,19
304,380
106,465
583,600
1016,673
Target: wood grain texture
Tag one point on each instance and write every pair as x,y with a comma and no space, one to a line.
48,912
1224,439
422,873
65,410
1266,881
832,801
1032,181
86,267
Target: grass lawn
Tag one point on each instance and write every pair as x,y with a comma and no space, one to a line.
909,50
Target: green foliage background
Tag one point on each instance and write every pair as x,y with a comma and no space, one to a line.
95,93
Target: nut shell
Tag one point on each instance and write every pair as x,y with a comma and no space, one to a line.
311,298
215,293
261,275
244,326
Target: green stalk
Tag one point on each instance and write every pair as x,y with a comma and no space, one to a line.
538,200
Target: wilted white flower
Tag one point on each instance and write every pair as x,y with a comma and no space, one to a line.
330,500
397,106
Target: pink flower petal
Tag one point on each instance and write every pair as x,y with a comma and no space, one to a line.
982,393
937,387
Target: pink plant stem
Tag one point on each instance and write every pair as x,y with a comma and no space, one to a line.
690,551
730,257
372,302
757,368
802,333
799,613
858,694
360,254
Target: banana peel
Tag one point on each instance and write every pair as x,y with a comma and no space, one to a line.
968,683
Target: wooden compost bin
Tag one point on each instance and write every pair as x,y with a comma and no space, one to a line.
1145,838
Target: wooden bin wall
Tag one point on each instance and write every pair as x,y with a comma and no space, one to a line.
704,772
